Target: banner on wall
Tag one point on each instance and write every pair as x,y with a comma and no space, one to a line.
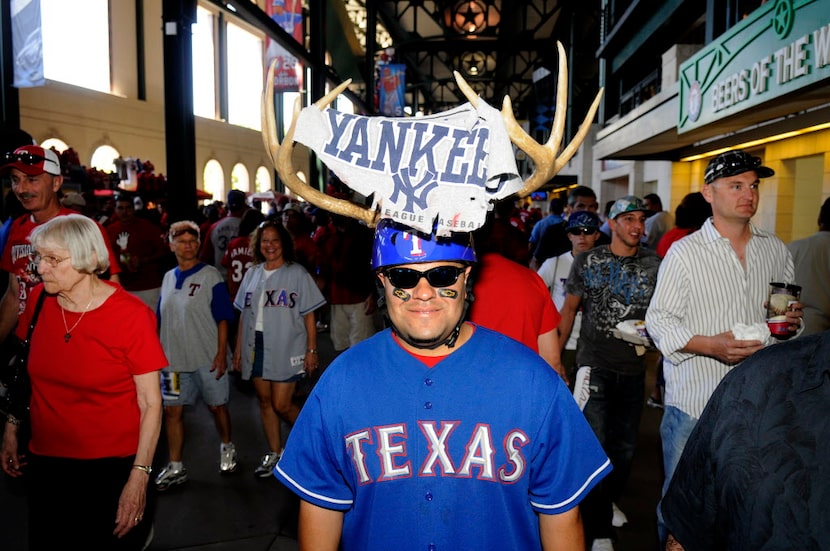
391,88
288,14
27,43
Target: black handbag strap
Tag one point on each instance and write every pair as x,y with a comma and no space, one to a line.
35,314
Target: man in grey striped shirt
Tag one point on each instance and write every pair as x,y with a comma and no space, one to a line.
708,282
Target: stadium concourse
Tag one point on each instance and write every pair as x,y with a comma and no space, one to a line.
240,512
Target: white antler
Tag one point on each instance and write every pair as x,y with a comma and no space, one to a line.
281,155
547,163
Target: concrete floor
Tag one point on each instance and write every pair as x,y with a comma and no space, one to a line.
239,512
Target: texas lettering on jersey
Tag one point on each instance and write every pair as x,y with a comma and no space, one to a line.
387,449
275,298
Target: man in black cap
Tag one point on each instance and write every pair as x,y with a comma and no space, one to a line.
713,283
220,233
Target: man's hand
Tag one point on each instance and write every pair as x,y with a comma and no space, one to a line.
726,348
794,314
220,365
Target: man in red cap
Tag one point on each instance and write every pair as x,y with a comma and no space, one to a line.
36,177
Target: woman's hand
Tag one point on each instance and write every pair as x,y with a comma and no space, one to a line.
11,461
311,361
131,503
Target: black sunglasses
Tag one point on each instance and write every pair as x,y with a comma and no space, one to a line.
190,231
25,158
407,278
582,231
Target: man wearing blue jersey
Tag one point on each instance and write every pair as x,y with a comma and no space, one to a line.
437,433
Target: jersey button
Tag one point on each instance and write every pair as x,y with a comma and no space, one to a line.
428,496
428,405
428,382
431,547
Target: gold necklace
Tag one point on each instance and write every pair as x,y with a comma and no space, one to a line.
67,335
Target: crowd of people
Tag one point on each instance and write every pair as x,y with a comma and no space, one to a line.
551,444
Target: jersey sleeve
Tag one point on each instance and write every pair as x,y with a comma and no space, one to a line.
239,299
220,305
311,443
567,460
310,296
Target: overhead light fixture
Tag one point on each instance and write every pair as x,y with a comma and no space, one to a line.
471,17
760,141
475,64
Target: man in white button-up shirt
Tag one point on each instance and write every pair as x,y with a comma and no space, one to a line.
709,281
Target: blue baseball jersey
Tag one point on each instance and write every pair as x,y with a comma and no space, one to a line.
462,455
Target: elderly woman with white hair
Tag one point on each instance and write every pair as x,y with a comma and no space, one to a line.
96,403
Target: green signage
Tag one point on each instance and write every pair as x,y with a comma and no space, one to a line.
779,48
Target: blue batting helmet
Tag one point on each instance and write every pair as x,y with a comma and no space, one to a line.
398,244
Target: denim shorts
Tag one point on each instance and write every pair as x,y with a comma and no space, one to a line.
191,385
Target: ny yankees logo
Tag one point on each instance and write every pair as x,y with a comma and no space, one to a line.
415,193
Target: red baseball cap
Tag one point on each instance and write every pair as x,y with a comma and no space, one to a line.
31,160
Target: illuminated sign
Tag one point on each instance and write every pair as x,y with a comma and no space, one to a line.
781,47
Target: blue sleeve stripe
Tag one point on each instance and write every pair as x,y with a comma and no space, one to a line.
602,470
336,502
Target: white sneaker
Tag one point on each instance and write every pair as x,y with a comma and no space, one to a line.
619,519
582,391
267,464
170,477
227,458
604,544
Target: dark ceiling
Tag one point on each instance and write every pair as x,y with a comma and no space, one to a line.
432,38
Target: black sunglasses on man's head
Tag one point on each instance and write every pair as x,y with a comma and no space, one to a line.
24,157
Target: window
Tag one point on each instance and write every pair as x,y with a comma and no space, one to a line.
204,64
59,145
263,179
240,179
288,99
104,158
214,179
245,74
76,42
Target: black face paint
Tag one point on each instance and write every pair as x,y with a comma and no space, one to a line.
402,294
448,293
